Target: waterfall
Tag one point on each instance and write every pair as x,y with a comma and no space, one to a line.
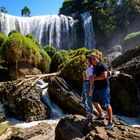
56,112
56,30
88,30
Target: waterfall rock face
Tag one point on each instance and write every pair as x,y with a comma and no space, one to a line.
57,30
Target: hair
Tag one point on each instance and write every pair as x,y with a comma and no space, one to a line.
95,55
89,58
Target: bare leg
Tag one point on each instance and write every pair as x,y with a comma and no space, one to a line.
99,109
109,112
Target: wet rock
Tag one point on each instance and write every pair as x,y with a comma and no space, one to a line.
66,96
124,95
24,101
112,56
42,131
77,128
126,56
2,117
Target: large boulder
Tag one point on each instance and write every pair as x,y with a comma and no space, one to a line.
23,101
75,127
125,87
66,96
126,56
42,131
124,95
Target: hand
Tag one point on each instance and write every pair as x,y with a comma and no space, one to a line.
90,93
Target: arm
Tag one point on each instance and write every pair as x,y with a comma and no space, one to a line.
103,76
90,90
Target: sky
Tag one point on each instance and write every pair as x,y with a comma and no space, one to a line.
37,7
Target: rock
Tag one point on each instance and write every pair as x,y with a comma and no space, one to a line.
24,68
4,75
2,117
76,128
112,56
42,131
124,95
131,67
23,102
65,96
126,56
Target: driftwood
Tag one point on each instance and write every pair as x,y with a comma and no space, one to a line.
36,78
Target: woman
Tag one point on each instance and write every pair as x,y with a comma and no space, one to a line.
88,87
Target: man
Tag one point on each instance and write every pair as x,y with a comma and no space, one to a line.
101,95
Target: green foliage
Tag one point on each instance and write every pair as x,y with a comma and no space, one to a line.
109,15
25,11
59,58
13,31
73,70
50,50
3,10
3,38
33,39
19,48
132,37
131,40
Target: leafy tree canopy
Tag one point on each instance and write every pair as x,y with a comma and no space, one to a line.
25,11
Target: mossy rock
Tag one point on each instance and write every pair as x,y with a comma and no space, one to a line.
59,58
19,48
50,50
73,70
3,38
13,31
131,40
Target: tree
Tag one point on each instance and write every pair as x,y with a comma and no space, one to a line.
3,10
25,11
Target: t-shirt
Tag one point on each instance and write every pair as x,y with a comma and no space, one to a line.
89,72
98,69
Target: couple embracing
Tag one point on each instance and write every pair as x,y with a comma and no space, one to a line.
96,88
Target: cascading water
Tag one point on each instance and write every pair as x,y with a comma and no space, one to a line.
56,30
88,30
56,112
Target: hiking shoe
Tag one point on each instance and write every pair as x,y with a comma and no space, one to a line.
100,118
88,117
109,126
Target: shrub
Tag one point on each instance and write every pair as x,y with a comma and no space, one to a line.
131,40
3,38
13,31
19,48
59,58
50,50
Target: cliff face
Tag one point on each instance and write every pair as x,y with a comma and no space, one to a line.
125,87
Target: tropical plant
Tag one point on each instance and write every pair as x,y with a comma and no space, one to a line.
50,50
3,10
25,11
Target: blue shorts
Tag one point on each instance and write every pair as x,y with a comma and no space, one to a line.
102,96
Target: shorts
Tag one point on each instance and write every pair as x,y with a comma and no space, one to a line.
102,96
